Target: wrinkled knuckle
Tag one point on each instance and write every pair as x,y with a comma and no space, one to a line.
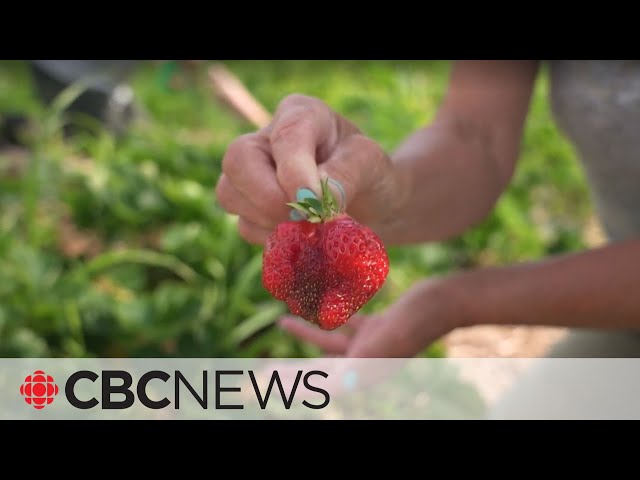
346,173
378,162
237,154
286,130
296,100
364,143
296,114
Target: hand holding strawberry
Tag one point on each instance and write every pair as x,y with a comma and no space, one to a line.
325,266
305,142
264,171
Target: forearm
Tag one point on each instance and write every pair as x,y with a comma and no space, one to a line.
595,289
452,172
450,182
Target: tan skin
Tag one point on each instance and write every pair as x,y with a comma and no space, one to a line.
441,181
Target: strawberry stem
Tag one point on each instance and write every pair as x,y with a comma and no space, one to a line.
317,211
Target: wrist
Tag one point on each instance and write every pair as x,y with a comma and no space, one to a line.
431,308
450,300
393,223
475,296
454,300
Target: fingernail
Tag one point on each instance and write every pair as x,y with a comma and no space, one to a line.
296,216
303,193
339,186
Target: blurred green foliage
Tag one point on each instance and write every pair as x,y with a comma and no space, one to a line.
167,273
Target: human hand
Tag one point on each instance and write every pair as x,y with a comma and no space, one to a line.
307,141
423,314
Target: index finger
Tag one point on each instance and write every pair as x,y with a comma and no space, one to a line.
330,342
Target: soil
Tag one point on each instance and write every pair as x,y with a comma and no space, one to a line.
492,379
498,341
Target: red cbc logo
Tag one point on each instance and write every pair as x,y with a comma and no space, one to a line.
39,389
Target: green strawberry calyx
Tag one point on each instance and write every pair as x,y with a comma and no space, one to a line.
318,211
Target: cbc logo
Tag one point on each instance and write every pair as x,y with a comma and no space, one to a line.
39,389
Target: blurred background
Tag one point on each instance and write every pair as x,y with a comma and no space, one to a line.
112,244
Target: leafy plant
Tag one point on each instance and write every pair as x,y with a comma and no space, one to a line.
116,247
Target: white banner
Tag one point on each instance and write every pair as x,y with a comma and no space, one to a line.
40,388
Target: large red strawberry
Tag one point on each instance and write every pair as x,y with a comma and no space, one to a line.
325,267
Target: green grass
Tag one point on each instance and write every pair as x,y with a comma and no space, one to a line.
172,276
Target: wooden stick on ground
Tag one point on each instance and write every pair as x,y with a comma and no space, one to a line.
230,90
